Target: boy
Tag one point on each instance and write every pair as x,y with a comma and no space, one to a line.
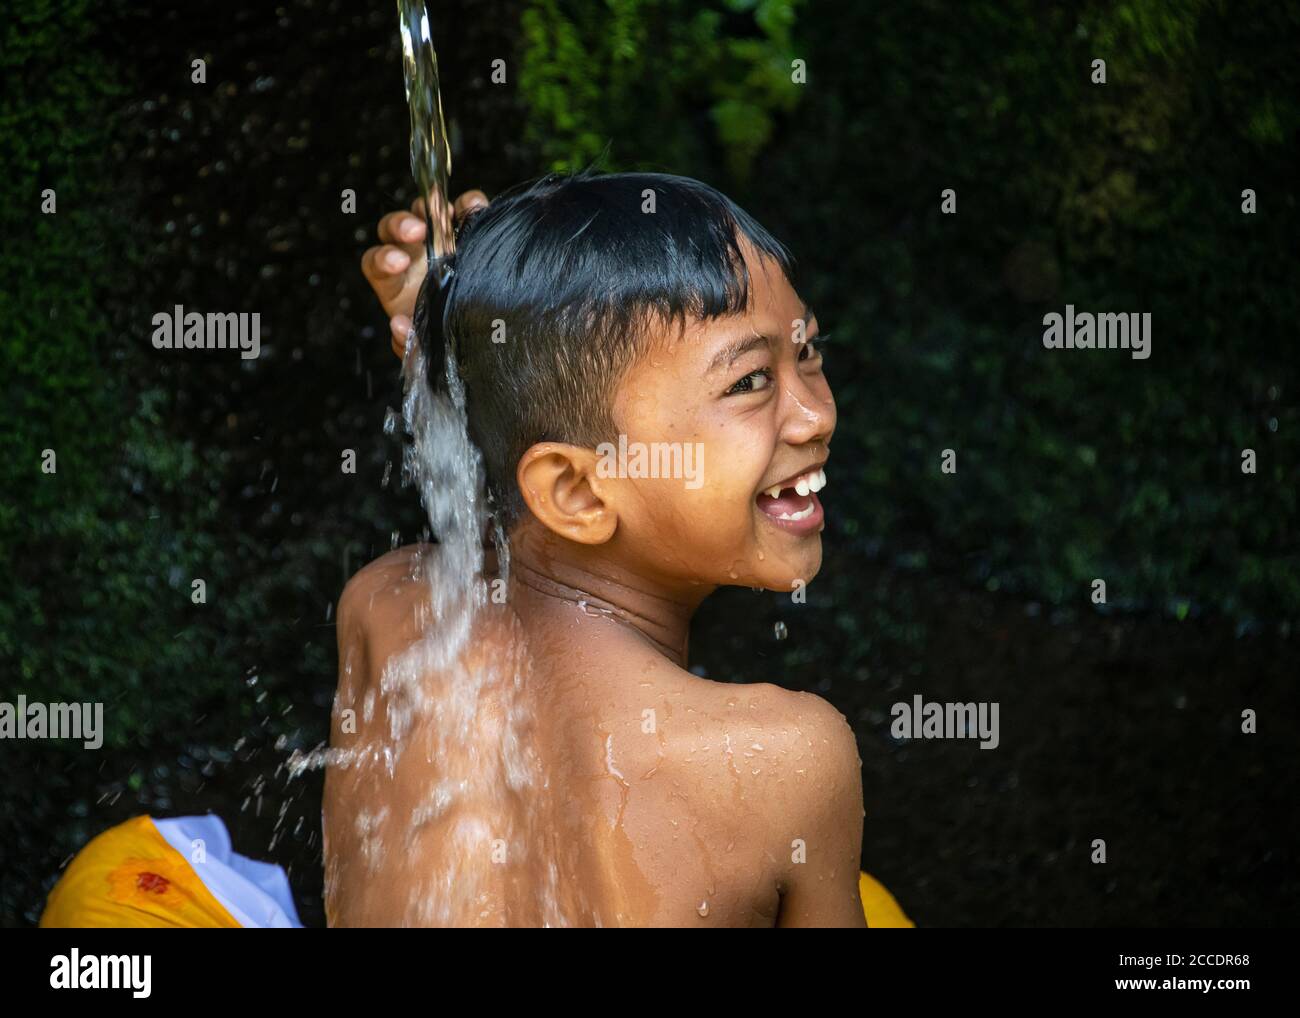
640,312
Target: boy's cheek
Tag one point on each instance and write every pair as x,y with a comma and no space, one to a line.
703,521
712,539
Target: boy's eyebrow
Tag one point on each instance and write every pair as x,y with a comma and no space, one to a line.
730,353
738,348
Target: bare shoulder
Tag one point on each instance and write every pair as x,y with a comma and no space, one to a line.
794,751
379,613
813,746
386,607
809,792
389,577
792,707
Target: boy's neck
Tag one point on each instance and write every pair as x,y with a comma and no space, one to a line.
580,583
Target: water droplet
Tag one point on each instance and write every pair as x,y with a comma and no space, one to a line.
779,631
703,908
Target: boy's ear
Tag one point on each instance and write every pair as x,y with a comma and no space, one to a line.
560,486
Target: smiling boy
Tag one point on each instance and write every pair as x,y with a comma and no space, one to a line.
670,800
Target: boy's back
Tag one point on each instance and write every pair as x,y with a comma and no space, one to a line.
640,795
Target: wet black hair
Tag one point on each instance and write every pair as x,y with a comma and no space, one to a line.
555,285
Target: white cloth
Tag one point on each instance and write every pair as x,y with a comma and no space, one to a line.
256,893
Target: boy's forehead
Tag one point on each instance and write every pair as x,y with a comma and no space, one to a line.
771,298
772,306
701,346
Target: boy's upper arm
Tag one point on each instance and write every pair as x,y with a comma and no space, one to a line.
820,830
372,609
364,607
350,617
349,625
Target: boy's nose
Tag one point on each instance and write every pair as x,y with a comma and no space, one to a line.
809,415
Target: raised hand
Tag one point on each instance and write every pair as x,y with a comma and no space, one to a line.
395,267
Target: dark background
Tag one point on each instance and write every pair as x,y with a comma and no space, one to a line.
1119,721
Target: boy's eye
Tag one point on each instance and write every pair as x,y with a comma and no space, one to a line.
755,381
811,350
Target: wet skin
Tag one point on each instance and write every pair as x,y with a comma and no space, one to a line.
668,799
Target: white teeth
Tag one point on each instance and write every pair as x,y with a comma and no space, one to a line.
801,514
811,482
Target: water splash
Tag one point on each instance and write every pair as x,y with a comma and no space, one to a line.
440,460
452,731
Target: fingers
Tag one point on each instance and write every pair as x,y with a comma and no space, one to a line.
469,201
398,327
394,267
401,228
465,204
384,267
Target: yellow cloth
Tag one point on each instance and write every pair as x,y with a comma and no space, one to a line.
131,876
879,906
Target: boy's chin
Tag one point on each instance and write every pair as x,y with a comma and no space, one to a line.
787,573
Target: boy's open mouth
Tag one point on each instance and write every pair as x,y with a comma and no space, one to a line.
793,504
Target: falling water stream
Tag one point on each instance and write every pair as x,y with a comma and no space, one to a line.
447,721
